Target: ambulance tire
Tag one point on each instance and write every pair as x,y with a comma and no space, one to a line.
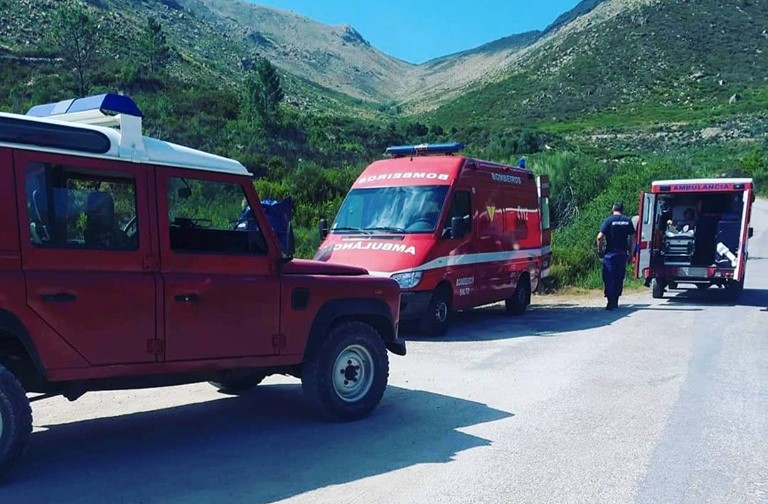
435,320
733,289
657,288
15,420
517,304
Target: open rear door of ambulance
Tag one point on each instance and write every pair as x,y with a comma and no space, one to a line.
746,214
542,184
644,232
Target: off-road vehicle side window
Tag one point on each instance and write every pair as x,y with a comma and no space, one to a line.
74,207
209,216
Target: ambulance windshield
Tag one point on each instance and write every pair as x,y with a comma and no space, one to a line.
413,209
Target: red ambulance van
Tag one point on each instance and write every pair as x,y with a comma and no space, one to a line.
455,232
694,231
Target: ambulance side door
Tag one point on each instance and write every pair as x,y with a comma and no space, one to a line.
644,233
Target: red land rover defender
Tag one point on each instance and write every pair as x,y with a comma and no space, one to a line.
123,265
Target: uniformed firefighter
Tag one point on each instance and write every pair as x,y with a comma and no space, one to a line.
614,245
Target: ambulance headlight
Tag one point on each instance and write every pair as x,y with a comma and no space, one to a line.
408,280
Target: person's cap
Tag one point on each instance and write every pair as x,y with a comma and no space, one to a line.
618,206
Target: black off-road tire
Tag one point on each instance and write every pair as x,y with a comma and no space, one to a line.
434,322
517,304
237,383
657,288
15,420
345,376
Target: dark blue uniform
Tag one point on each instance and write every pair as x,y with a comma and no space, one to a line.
617,230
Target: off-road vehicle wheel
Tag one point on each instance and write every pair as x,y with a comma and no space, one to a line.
238,383
657,288
345,376
517,304
15,420
435,320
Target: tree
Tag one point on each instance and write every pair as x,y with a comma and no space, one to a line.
76,36
263,94
154,46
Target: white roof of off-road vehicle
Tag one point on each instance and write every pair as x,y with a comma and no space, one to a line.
102,126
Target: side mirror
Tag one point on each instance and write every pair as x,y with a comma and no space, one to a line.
751,232
184,192
458,228
323,228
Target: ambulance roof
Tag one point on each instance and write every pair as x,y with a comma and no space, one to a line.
703,181
87,127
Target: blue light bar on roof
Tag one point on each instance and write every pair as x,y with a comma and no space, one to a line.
415,150
108,104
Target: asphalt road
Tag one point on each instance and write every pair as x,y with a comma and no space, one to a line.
661,401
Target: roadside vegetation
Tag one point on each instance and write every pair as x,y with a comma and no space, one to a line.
594,156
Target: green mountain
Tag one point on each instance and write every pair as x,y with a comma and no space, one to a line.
617,64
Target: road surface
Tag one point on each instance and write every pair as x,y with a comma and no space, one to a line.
660,401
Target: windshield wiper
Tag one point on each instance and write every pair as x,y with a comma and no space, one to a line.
348,228
391,229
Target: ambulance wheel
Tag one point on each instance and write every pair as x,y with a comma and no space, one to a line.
435,320
517,304
657,288
733,289
15,420
345,376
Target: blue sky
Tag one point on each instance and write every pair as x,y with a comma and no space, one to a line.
419,30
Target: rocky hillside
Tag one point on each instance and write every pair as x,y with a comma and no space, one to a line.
336,57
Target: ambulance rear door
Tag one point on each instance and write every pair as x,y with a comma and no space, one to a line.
744,236
644,232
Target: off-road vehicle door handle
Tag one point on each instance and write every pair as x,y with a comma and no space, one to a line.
59,297
188,298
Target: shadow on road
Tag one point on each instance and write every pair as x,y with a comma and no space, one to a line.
719,297
489,323
261,447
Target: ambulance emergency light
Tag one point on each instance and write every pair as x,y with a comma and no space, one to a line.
99,109
415,150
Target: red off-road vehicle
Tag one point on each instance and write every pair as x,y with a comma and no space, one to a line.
125,263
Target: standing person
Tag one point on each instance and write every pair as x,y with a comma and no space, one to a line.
614,245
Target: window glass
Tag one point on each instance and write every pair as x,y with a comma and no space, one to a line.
545,223
405,209
212,217
461,206
73,207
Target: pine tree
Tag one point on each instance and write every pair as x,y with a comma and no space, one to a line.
76,35
154,46
264,94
